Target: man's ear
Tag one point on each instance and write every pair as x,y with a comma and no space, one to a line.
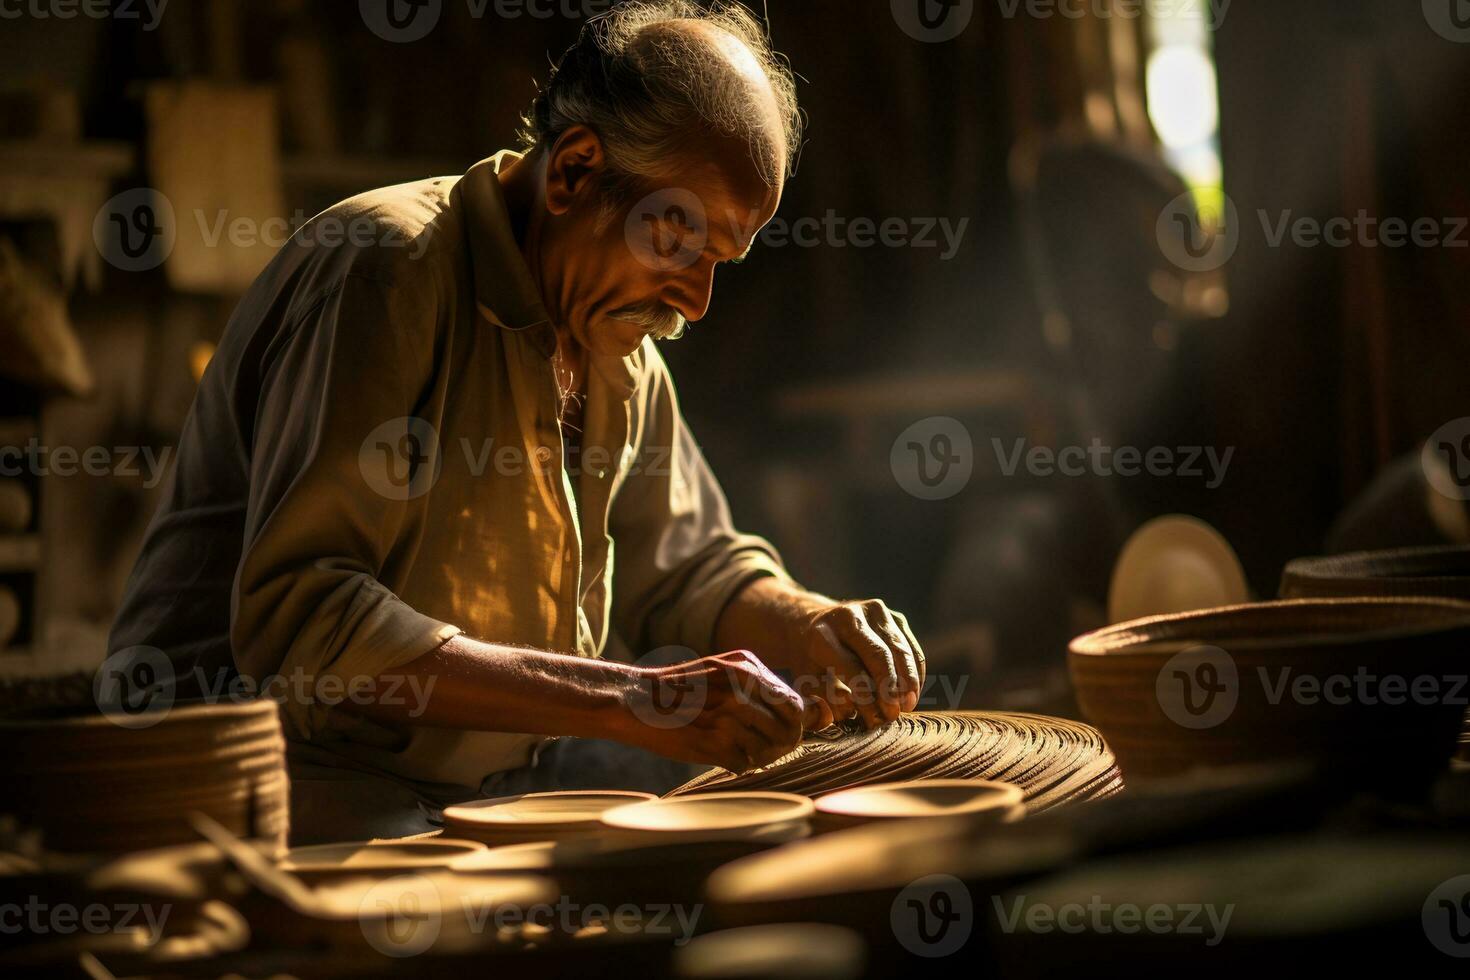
572,167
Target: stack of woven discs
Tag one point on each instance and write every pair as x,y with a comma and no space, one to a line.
1052,760
1443,572
90,785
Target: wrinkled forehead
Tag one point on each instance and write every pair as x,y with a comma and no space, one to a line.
722,172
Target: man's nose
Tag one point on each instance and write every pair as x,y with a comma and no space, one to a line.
692,292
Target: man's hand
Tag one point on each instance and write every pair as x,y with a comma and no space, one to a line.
728,710
858,658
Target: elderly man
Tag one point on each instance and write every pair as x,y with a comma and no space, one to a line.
439,468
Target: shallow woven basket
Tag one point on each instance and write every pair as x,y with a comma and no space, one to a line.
1133,680
90,785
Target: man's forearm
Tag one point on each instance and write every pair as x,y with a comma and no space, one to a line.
759,619
496,688
744,718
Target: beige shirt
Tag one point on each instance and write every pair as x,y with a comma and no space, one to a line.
374,463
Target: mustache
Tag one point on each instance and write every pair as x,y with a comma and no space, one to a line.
663,322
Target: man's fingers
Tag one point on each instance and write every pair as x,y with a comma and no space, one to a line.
909,678
746,743
918,651
780,732
852,673
830,684
780,697
816,715
878,660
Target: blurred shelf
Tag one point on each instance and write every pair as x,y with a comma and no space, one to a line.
20,553
92,158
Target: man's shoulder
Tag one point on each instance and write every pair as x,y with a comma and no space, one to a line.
379,232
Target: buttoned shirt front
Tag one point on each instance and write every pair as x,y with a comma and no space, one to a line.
374,463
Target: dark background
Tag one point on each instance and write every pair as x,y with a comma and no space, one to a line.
1325,367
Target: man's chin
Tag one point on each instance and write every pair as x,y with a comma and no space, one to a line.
617,337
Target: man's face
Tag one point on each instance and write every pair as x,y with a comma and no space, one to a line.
622,267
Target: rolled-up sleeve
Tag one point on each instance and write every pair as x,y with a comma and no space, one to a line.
679,560
319,530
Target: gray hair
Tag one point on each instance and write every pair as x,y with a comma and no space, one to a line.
649,90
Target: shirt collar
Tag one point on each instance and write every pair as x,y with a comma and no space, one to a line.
504,289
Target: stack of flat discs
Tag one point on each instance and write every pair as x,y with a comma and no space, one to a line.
90,785
1442,572
533,817
739,816
1052,760
920,799
1366,687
